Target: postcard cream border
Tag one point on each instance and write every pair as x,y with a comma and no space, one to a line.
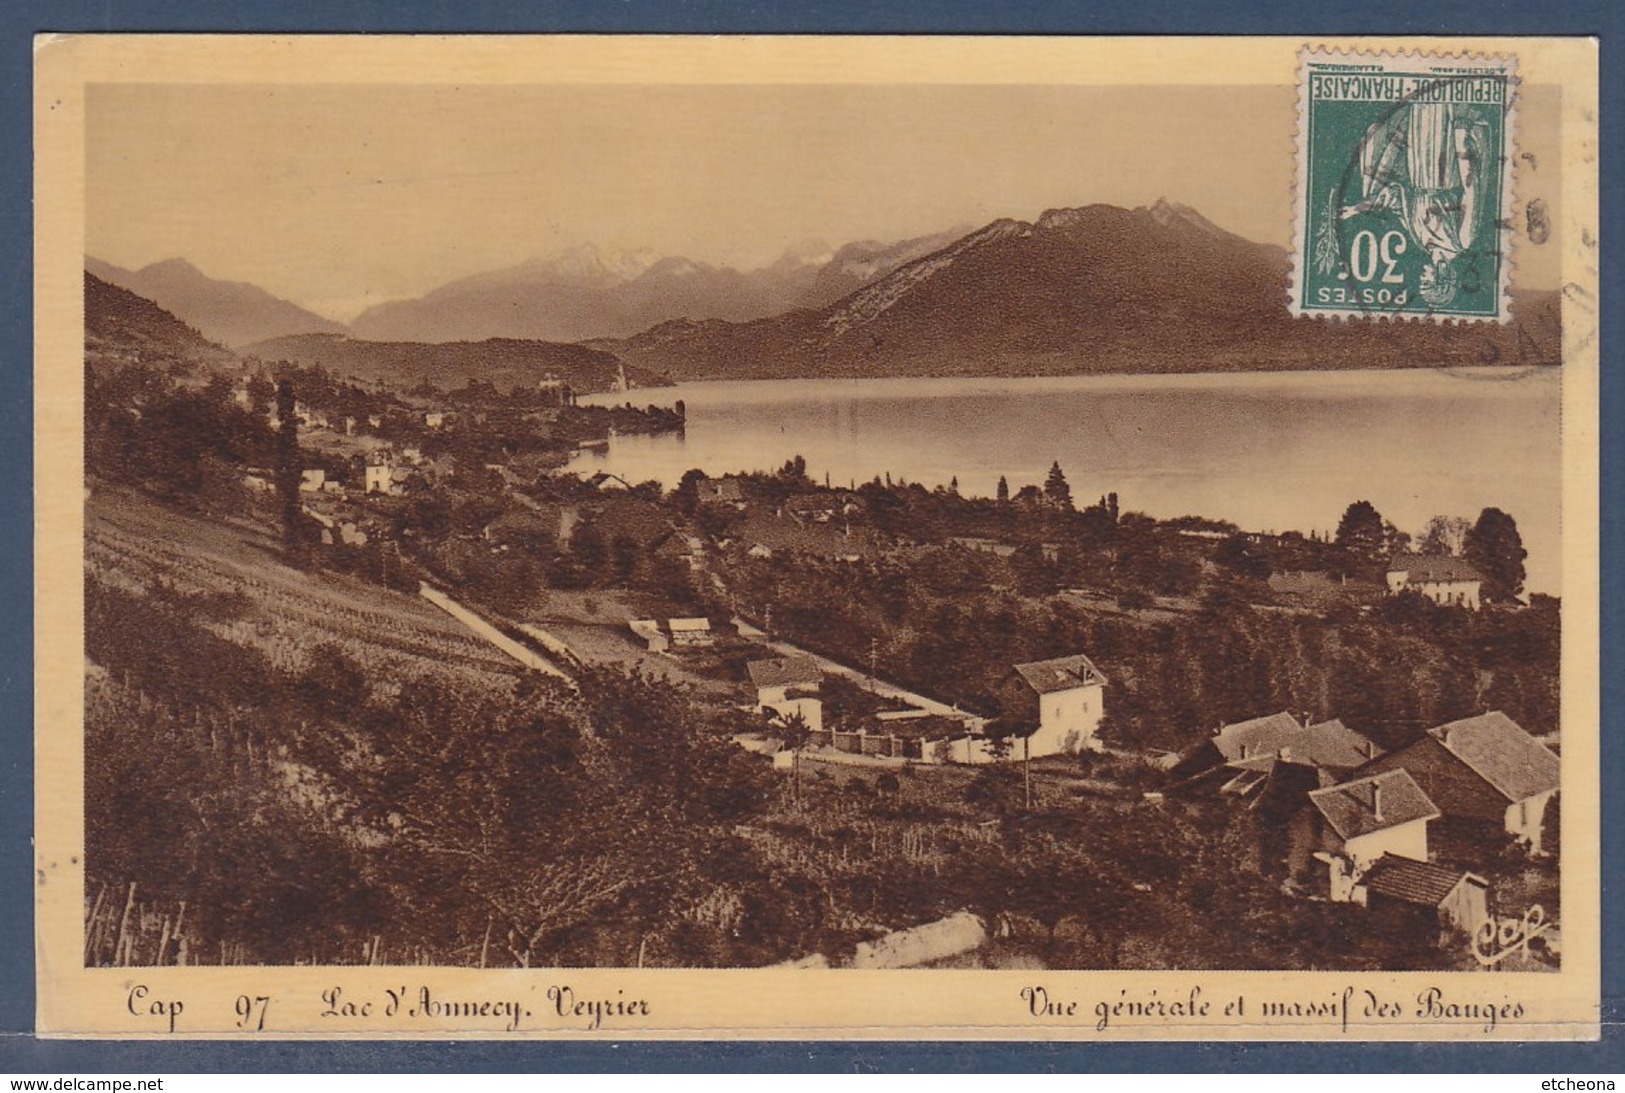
746,1004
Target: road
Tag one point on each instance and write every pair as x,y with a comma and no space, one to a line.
494,636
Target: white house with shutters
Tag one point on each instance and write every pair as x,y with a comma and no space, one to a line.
1071,699
1449,581
1360,821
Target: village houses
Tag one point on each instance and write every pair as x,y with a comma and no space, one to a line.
648,631
1350,822
1247,751
1067,696
1356,823
1404,894
1448,581
379,472
719,491
1484,769
693,631
1070,701
788,687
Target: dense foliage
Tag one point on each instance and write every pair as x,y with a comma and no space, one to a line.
950,621
302,813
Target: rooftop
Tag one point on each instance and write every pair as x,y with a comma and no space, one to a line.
1418,882
934,727
1061,674
1373,804
784,672
719,489
1497,749
786,533
1326,744
1419,568
605,481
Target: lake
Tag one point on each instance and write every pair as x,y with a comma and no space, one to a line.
1268,451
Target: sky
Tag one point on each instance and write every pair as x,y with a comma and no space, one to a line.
338,197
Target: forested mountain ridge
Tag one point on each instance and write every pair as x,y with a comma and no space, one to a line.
1077,291
121,326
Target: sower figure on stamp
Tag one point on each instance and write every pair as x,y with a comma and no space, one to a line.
1424,163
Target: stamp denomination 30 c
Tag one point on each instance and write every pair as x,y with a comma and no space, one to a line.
1404,172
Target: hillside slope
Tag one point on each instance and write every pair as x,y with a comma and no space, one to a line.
123,328
233,313
505,362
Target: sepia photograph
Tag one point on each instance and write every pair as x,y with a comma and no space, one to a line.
1044,524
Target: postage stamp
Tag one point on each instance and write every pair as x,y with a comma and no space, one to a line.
1404,185
733,538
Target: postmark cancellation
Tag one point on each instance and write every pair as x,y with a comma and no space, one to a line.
1403,185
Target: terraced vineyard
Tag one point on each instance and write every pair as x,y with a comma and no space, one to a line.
134,544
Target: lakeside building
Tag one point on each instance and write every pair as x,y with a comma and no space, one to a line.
720,491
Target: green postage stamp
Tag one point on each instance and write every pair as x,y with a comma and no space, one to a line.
1403,185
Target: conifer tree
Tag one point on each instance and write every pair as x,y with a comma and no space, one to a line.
1056,490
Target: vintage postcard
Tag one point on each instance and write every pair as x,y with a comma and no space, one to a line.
896,538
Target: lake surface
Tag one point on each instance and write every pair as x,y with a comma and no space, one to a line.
1269,451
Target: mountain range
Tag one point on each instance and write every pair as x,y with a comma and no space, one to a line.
1078,290
232,313
1093,289
587,293
122,328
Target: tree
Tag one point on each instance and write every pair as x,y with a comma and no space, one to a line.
1056,490
1361,531
1444,535
1004,490
1494,546
287,465
624,557
1239,555
687,493
1394,541
794,731
590,552
1034,573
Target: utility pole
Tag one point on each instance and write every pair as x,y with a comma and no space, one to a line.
1027,770
874,660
